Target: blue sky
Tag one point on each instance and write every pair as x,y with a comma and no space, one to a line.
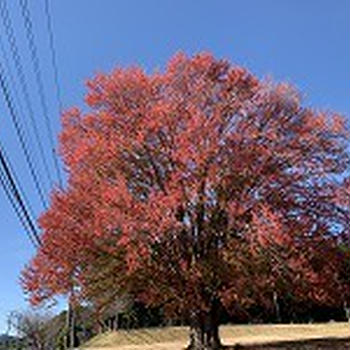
306,42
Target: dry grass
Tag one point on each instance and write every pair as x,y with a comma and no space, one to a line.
281,336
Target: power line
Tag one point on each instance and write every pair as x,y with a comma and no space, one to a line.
18,103
53,55
12,170
20,136
24,88
9,183
36,64
5,185
11,78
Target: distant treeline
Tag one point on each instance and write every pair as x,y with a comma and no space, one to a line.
137,315
83,322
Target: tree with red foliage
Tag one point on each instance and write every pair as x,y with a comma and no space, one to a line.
196,188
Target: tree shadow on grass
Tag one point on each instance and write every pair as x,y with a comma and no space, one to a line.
312,344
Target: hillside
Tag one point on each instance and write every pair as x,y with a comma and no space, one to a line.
175,338
7,341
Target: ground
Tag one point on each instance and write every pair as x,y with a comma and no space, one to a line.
327,336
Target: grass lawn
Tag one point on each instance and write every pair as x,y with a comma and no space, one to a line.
326,336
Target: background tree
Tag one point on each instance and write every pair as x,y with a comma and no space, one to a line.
34,329
204,186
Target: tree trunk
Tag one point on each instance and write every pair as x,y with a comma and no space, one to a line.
204,331
70,325
116,322
277,307
72,329
347,311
